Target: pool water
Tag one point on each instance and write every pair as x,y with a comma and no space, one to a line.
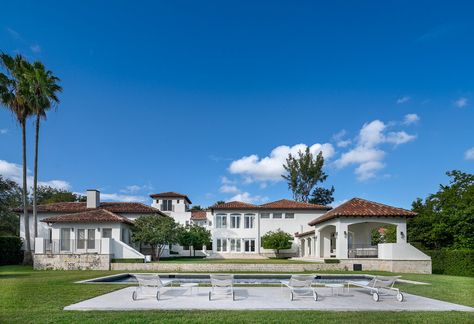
251,279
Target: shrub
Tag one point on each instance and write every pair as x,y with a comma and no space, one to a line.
10,250
126,261
452,262
332,261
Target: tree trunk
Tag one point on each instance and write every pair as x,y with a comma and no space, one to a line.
27,258
35,176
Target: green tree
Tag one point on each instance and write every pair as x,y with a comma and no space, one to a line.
277,240
303,173
10,197
384,234
194,236
445,219
156,231
42,96
196,208
13,95
219,202
49,195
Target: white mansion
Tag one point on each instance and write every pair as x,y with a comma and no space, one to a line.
75,232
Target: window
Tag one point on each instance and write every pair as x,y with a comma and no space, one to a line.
235,221
234,245
221,221
65,239
221,245
106,233
177,201
277,215
264,215
186,247
249,220
249,245
81,239
91,238
167,205
289,215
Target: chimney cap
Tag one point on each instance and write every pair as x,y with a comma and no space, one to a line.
92,190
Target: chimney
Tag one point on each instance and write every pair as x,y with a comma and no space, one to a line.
93,198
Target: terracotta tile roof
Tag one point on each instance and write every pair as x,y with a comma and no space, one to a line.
170,194
304,233
291,204
198,215
76,207
235,205
357,207
89,216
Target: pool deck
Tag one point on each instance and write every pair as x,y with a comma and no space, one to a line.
262,298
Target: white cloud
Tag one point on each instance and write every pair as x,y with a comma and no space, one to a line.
469,155
461,102
367,154
13,33
270,168
229,189
340,140
136,188
248,198
411,119
225,180
120,197
3,131
35,48
14,172
403,100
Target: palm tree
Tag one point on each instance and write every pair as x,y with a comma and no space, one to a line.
13,94
41,97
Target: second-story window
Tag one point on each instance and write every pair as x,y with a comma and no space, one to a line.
235,221
221,221
167,205
264,215
277,215
249,220
289,215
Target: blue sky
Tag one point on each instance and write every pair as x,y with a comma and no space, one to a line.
206,98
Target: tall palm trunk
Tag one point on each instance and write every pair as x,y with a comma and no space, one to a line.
35,176
27,259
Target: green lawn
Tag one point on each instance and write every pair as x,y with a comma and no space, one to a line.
39,296
241,261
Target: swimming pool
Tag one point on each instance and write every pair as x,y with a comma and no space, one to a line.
251,279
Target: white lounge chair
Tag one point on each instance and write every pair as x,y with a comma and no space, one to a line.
377,284
149,282
222,284
300,285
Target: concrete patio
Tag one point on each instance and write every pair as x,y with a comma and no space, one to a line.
260,298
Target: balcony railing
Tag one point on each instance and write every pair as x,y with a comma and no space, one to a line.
69,246
363,251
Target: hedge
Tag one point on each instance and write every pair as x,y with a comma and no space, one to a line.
452,262
10,250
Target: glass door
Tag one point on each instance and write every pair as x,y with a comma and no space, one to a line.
65,244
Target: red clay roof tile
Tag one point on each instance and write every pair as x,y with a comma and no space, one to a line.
89,216
170,194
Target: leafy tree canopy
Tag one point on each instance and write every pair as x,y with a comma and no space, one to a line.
303,173
195,236
277,240
384,234
10,197
157,231
219,202
196,208
446,219
49,195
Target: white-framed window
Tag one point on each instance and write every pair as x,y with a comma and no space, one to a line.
177,201
264,215
106,233
221,221
167,205
277,215
234,245
249,220
249,245
235,221
221,245
289,215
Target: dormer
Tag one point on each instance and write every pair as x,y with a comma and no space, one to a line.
171,202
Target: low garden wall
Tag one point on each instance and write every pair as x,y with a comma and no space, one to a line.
347,265
71,262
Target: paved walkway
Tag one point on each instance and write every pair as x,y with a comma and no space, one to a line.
253,298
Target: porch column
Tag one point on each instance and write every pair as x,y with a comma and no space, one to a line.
402,232
317,244
341,240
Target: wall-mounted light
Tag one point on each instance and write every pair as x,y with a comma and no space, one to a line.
345,234
402,235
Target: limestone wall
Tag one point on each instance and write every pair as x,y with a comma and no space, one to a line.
71,262
367,264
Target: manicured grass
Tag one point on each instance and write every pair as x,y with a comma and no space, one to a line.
240,261
39,296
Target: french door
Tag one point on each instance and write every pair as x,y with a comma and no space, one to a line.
85,239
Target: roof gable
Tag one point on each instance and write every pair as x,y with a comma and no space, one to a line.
235,205
358,207
77,207
89,216
291,204
171,194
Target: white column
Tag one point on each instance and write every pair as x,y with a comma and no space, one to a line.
341,240
317,244
402,232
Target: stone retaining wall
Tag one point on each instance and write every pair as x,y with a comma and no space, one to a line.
71,262
367,264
